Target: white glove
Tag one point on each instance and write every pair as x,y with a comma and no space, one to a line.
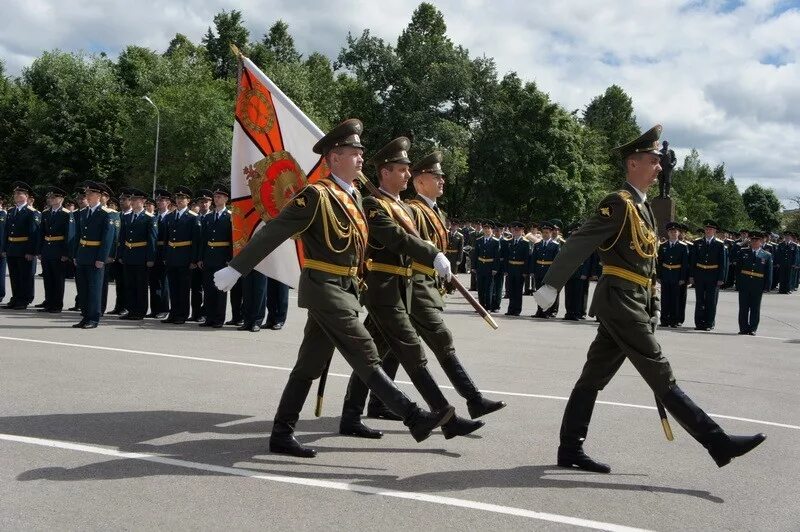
226,278
655,319
442,266
545,296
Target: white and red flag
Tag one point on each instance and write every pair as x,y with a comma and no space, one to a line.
271,161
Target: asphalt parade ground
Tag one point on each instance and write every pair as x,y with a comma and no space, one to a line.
139,425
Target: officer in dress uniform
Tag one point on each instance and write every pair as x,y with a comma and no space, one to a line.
117,269
754,278
55,248
499,279
3,218
455,247
107,201
137,254
159,287
203,201
684,289
730,250
518,257
574,289
709,262
216,252
673,272
544,253
795,277
785,255
23,223
93,242
183,233
743,242
332,225
486,264
469,242
626,305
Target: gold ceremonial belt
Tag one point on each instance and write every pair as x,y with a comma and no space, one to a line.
181,244
131,245
327,267
451,251
708,266
218,244
421,268
517,262
90,243
671,266
54,238
18,239
485,260
753,274
544,262
389,268
628,275
160,243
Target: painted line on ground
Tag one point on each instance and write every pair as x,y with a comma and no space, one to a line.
326,484
347,376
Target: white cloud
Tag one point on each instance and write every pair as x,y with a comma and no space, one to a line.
721,76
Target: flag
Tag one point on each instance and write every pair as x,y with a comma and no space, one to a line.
271,160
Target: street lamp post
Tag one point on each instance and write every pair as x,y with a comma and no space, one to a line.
158,127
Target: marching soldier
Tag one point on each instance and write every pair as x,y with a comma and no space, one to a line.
486,265
159,288
93,242
183,231
626,305
518,257
329,219
137,255
401,308
673,272
55,245
22,238
708,266
455,247
544,253
574,291
754,278
203,202
216,252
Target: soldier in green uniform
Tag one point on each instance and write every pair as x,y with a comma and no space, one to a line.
328,217
627,307
754,277
427,304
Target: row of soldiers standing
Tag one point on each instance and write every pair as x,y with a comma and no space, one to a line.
161,254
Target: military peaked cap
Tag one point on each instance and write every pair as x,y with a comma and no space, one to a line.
430,164
219,188
394,152
20,186
348,133
647,143
204,193
186,192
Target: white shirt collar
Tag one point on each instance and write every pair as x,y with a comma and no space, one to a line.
137,213
127,212
182,211
388,194
642,195
431,203
350,189
673,241
22,205
220,211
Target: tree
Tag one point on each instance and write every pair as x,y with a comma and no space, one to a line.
229,29
763,207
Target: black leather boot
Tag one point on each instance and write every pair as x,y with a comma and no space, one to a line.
353,407
282,440
722,447
427,387
420,422
574,427
376,409
477,404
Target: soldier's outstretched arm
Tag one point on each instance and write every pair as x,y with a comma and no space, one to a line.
604,224
293,219
388,232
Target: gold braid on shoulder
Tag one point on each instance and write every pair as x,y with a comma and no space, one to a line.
330,222
643,240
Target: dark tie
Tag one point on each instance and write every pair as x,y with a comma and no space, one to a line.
216,217
435,208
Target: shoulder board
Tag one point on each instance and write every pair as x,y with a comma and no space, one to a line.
106,209
718,240
31,208
624,194
681,242
150,215
64,209
688,243
191,212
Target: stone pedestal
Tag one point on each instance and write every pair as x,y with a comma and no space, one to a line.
664,209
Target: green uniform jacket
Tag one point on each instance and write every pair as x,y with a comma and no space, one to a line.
609,231
309,215
390,244
426,287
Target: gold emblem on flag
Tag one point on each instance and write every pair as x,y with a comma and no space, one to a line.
274,181
255,111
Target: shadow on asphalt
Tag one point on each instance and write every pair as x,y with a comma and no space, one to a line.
131,432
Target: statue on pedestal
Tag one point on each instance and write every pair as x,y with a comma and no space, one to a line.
668,163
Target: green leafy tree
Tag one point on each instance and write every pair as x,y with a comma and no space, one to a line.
763,206
228,29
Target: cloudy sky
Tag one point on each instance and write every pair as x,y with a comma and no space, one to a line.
722,76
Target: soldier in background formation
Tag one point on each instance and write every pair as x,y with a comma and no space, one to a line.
146,240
